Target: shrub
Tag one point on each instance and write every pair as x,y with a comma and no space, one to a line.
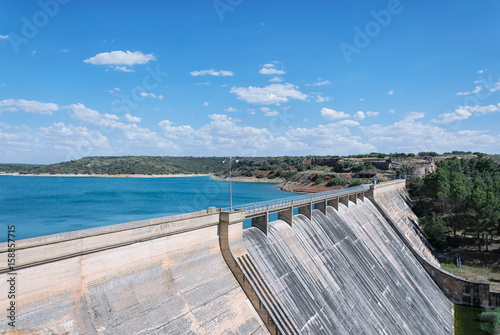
318,181
490,322
336,182
359,167
356,182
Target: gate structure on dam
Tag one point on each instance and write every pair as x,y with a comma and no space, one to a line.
259,211
177,274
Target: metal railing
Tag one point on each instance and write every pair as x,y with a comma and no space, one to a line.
271,205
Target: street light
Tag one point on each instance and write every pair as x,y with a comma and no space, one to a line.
230,187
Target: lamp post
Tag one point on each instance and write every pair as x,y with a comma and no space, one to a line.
230,186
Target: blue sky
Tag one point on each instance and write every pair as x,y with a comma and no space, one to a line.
247,78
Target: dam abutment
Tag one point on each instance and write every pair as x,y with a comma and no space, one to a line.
459,290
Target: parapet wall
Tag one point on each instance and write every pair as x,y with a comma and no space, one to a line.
156,276
391,199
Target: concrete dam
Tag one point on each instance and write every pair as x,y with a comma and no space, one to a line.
344,262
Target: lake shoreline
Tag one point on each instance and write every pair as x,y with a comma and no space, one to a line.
106,175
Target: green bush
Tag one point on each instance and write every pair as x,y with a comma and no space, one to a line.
356,182
490,322
336,182
359,167
318,181
260,175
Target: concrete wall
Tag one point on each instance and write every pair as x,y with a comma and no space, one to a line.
161,277
392,201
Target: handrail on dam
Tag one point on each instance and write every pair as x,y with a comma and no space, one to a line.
270,205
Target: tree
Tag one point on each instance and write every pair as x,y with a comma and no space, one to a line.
435,229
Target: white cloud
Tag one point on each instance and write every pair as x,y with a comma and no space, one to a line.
392,111
205,103
273,113
265,109
496,87
333,135
212,72
175,132
64,50
271,94
120,60
270,69
151,95
122,68
320,98
4,37
391,92
481,110
464,112
114,90
480,71
33,53
60,134
348,123
133,119
476,90
55,143
230,109
359,115
372,114
408,135
80,112
30,106
331,114
219,117
276,79
320,82
458,114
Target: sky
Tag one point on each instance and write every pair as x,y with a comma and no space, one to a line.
247,78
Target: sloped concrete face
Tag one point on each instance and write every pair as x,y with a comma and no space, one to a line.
394,200
177,284
348,273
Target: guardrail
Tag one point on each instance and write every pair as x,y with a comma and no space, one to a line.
270,205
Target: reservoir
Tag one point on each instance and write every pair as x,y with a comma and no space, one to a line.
48,205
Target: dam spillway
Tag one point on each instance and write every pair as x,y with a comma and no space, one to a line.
348,273
342,270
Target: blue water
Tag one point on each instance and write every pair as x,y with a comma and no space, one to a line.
47,205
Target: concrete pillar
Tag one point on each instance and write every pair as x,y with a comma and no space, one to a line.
261,222
370,194
321,205
345,200
306,210
286,215
333,202
353,198
361,195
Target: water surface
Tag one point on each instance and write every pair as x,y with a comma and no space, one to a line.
48,205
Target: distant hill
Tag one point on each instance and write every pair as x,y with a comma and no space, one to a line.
11,168
306,169
146,165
